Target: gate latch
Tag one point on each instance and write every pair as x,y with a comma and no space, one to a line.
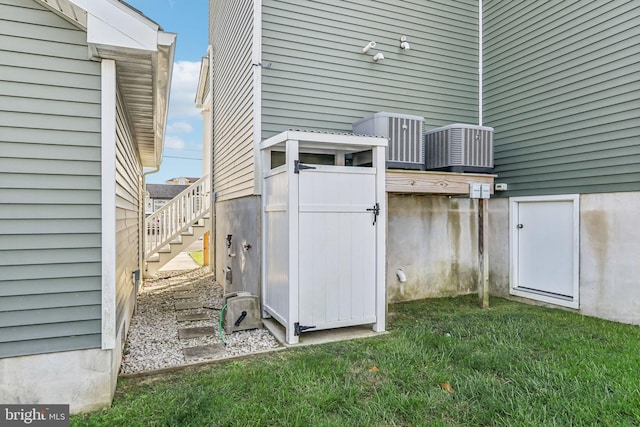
376,211
297,166
298,328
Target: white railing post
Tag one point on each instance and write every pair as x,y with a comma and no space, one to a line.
177,216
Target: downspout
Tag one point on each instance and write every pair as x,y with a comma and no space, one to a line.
256,58
480,64
212,239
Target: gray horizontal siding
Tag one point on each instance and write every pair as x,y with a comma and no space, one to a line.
27,257
320,79
48,241
36,332
50,345
231,35
59,228
52,315
50,136
128,215
48,167
43,271
562,86
50,217
46,302
63,286
66,182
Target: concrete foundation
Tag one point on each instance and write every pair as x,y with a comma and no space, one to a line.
434,240
610,256
240,218
609,260
83,379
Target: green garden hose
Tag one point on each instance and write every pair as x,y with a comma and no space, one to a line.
224,308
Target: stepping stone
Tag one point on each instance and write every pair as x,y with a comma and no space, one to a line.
184,295
186,333
188,305
189,317
202,352
184,288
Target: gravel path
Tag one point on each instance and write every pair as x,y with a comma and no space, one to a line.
153,341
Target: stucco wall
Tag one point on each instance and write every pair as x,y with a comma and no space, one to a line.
610,256
434,239
241,219
499,246
609,260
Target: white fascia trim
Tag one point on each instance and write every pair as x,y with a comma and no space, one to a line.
166,39
108,203
202,80
257,94
111,23
163,67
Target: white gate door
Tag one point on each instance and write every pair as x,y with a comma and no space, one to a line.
545,247
337,246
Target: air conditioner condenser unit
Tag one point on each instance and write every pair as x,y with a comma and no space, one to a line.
459,148
405,149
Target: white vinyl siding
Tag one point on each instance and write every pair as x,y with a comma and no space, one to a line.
318,78
231,32
562,90
128,215
50,213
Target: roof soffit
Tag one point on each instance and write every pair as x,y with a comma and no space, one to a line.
144,62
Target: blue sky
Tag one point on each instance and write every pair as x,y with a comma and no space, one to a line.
187,18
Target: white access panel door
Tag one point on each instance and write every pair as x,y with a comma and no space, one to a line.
337,246
544,244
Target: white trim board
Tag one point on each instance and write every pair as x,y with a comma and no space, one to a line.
108,203
516,288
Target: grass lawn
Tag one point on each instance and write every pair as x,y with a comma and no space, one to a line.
445,362
198,257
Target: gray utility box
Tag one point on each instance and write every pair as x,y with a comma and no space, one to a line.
405,149
459,148
243,312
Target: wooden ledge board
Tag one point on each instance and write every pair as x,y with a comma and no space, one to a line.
429,182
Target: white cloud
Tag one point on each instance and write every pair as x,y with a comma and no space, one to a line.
184,84
174,143
179,127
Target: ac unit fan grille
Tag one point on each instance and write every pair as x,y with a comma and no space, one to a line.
459,148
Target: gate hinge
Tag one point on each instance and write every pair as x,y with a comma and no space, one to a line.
298,329
297,166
